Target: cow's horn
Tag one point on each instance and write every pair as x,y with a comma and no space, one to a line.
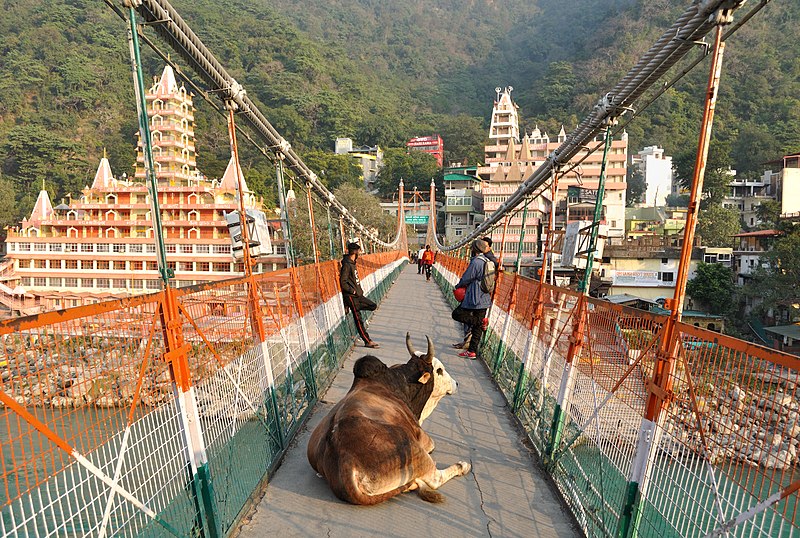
410,346
430,349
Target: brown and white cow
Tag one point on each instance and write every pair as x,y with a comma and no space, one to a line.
370,447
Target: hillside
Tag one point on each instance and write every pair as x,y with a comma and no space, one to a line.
379,72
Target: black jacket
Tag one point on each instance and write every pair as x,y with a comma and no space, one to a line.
348,278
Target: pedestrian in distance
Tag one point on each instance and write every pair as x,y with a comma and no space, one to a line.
419,260
472,309
427,262
352,293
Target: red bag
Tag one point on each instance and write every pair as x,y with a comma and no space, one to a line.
459,293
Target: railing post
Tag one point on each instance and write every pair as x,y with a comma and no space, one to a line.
176,354
581,312
660,385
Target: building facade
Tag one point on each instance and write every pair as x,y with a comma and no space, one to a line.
101,244
369,160
432,144
463,205
510,159
656,169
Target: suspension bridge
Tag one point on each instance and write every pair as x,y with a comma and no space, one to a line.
605,420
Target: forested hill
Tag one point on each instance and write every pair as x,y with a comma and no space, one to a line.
379,72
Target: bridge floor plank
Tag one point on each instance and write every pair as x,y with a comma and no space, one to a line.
506,494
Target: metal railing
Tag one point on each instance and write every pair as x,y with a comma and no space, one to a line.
724,459
98,430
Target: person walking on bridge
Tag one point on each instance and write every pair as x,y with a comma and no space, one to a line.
427,262
473,308
352,293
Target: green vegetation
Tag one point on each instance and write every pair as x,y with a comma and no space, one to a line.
379,72
713,286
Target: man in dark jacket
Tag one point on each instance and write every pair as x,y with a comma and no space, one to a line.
352,293
473,308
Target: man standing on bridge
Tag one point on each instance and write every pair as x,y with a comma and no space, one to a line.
476,301
352,293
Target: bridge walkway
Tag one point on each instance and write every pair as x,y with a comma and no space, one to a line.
506,494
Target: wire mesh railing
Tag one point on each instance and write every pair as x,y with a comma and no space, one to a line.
98,427
723,460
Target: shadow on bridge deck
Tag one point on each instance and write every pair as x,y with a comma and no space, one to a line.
505,494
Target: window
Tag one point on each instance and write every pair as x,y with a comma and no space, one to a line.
71,247
137,266
87,247
459,232
222,249
203,266
24,247
664,260
201,249
40,264
221,267
70,264
87,283
40,281
55,247
103,265
667,277
120,283
152,266
103,283
135,248
40,247
71,282
102,247
150,248
26,280
119,247
172,249
186,249
138,284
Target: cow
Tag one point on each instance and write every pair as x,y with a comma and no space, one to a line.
370,447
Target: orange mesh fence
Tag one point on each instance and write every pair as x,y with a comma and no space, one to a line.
99,380
727,450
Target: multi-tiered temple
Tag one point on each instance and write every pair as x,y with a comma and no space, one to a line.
101,244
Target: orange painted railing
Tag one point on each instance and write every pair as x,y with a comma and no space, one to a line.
93,441
725,455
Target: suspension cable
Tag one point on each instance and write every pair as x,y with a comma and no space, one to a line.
697,21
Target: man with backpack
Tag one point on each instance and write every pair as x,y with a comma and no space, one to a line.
479,280
464,343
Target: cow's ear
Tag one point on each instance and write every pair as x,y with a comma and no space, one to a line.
425,378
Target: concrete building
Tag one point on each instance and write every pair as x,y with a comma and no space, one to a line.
647,267
657,171
509,159
369,160
751,247
463,210
101,244
432,144
653,221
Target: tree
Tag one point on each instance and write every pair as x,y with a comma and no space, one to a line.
717,226
717,176
769,214
332,169
713,285
415,168
557,90
8,206
678,200
775,286
464,137
636,187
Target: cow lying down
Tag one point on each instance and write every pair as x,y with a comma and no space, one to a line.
370,447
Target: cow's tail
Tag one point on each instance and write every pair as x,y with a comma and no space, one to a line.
427,494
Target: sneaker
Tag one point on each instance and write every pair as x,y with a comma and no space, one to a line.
485,323
467,354
373,345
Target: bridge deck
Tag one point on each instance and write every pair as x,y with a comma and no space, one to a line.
505,494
